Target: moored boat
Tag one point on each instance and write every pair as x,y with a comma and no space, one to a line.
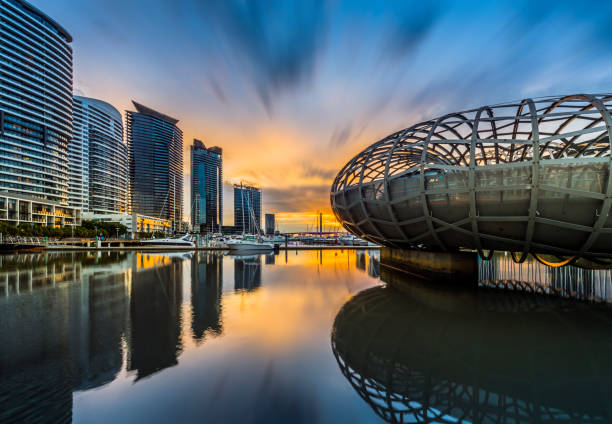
184,241
248,243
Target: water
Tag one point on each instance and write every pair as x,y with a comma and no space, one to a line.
313,336
531,276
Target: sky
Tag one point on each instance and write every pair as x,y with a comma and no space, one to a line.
293,90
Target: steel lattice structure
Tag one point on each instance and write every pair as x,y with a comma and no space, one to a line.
530,177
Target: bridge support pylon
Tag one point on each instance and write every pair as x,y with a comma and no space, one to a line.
457,268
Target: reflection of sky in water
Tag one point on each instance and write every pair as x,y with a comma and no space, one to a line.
127,337
156,338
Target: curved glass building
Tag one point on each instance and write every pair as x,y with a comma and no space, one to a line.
155,145
98,176
35,115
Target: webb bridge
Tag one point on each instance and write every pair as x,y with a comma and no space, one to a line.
528,177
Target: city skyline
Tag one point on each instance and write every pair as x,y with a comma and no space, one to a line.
295,90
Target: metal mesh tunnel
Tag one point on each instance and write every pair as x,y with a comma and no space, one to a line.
528,177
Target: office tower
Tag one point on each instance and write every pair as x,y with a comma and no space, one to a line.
270,224
206,187
98,158
247,209
35,116
155,147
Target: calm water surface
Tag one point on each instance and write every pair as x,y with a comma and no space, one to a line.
309,337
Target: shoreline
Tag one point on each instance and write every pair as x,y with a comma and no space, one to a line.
183,249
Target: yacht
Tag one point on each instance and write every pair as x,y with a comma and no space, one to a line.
248,243
183,241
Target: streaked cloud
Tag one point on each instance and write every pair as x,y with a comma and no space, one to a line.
293,89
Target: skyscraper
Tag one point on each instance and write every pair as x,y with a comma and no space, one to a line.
35,116
98,158
247,209
270,224
206,187
155,147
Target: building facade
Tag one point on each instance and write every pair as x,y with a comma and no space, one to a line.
247,209
135,223
98,158
270,223
35,115
155,146
206,188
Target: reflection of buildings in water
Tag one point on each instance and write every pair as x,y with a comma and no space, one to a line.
206,290
21,273
26,272
431,355
64,338
247,272
270,259
155,313
373,264
360,260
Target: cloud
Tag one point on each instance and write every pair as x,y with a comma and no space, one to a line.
278,41
315,170
297,198
340,135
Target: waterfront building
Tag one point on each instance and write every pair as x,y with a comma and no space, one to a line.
98,159
270,224
155,146
135,223
35,117
206,187
247,208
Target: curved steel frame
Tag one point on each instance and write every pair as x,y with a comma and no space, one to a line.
543,132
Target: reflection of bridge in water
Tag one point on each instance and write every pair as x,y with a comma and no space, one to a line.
444,355
531,276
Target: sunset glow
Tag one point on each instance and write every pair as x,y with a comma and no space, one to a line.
292,91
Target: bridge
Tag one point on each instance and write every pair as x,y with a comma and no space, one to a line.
527,177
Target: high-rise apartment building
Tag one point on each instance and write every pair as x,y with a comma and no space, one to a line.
206,187
247,209
155,146
270,224
98,158
35,116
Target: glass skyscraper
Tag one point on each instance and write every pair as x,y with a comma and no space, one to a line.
35,116
270,224
206,187
247,209
155,145
98,158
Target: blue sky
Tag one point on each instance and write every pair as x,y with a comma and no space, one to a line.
293,90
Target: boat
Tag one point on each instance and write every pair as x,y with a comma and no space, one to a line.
248,243
183,241
275,239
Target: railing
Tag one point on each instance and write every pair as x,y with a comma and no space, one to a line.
22,240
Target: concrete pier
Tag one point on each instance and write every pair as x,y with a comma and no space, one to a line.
459,268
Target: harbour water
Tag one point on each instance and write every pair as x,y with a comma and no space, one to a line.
308,336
